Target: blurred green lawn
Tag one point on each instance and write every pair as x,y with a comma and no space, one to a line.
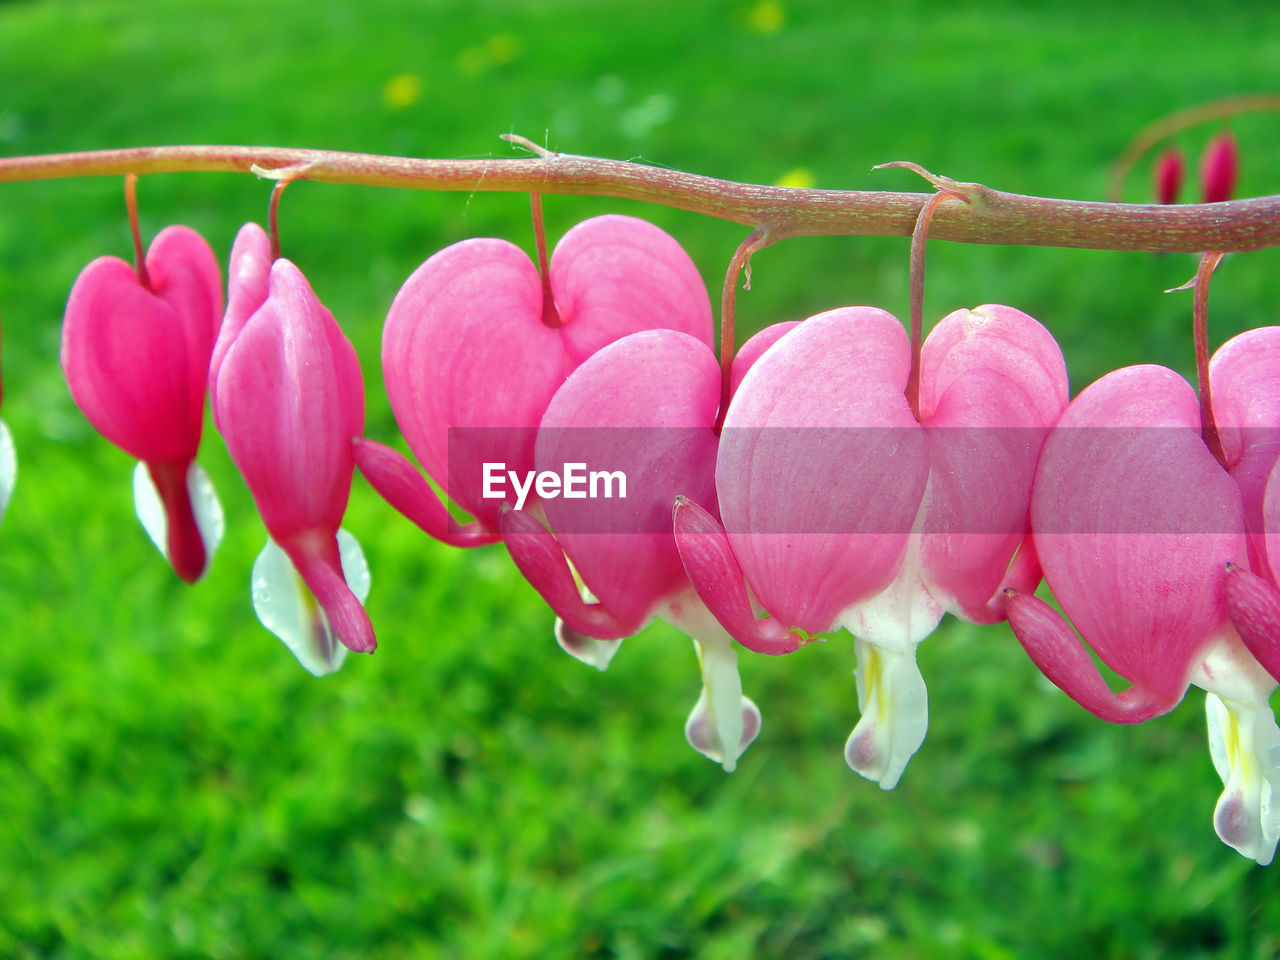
173,785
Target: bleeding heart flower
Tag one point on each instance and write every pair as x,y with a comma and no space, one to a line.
135,352
644,409
1137,526
289,399
840,509
472,343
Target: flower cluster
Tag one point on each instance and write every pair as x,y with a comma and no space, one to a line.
850,481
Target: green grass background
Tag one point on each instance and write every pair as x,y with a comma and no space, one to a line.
173,785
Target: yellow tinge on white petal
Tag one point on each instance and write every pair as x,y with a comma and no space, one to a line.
895,714
1244,743
723,723
891,692
592,651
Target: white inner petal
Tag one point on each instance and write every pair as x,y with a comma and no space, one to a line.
146,503
204,504
1244,743
895,714
8,467
723,723
288,609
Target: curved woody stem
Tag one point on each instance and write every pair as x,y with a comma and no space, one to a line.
991,217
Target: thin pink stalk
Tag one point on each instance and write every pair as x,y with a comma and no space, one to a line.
916,297
273,217
1200,325
139,252
550,316
739,262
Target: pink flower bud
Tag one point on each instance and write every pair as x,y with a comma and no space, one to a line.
1170,169
1219,168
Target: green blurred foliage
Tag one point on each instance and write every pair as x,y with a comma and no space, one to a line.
173,785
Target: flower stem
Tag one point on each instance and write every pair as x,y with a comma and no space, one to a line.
273,217
139,254
992,217
919,237
738,263
550,315
1200,325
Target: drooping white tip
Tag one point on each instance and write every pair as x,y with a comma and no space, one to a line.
895,714
1245,745
723,722
289,610
589,650
204,504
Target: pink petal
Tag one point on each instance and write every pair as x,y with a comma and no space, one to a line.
822,466
754,349
401,485
714,572
1245,376
645,406
246,292
464,349
541,561
318,561
1061,657
993,382
1133,521
613,275
1254,607
184,274
135,360
290,400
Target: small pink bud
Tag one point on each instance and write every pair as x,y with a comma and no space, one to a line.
1219,168
1170,169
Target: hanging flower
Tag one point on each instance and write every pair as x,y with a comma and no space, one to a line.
639,415
840,509
476,344
1139,528
135,352
288,399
